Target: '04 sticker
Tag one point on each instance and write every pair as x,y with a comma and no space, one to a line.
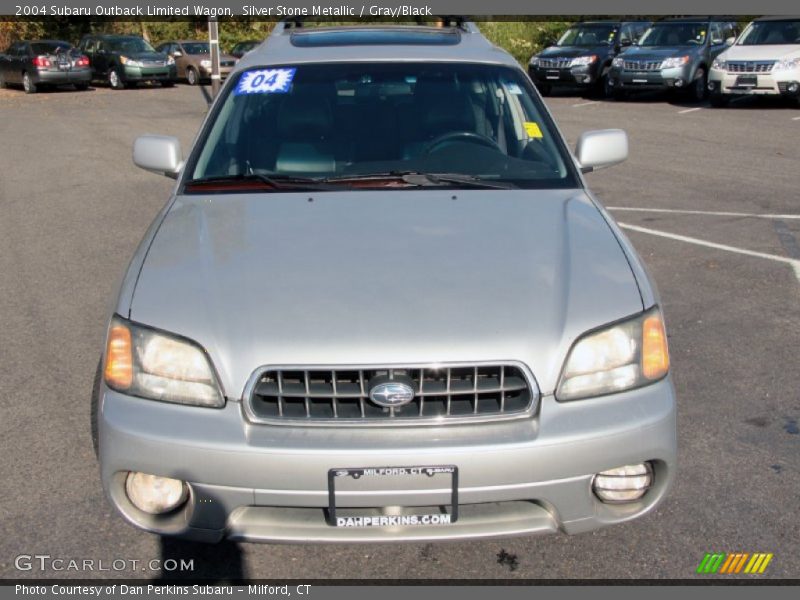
265,81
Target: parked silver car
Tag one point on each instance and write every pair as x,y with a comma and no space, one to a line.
381,304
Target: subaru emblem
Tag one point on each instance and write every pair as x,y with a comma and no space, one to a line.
391,394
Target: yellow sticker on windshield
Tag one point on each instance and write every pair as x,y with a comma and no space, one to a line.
533,130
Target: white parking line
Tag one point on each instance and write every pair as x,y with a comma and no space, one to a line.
795,118
584,104
704,212
688,110
795,264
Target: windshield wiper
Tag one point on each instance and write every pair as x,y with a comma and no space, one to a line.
271,181
422,179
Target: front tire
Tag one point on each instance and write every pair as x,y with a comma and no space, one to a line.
191,76
28,84
699,86
167,84
115,80
2,82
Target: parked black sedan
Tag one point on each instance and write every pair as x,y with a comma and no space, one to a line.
38,64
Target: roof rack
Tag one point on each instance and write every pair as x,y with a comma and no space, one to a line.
454,21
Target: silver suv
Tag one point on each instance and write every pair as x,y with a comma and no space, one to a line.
381,304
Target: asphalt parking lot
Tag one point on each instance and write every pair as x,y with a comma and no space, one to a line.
710,197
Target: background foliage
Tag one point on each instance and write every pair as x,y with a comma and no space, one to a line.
520,38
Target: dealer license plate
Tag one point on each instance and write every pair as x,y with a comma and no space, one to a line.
435,519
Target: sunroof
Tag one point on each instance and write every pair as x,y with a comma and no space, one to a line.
375,37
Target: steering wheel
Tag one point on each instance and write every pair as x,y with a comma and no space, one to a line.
461,136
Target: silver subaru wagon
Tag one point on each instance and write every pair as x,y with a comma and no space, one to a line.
381,304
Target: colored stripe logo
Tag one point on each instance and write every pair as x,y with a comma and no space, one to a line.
722,563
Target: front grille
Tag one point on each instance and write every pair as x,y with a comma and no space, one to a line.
153,63
750,66
447,393
642,65
555,63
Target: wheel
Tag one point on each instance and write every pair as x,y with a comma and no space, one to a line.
167,84
95,407
719,100
114,79
699,86
28,85
619,95
2,82
81,87
191,76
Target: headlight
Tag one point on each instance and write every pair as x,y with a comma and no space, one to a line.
786,65
675,61
582,61
618,357
129,62
157,365
170,60
719,64
618,62
206,64
534,62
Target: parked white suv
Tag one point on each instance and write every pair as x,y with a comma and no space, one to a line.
765,60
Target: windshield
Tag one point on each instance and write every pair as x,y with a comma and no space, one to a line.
353,120
587,35
50,47
130,46
196,47
675,34
763,33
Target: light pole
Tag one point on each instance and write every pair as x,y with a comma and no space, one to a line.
213,40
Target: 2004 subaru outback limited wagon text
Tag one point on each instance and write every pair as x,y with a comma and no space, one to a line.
381,304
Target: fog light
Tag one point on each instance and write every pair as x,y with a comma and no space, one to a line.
793,87
679,83
711,85
623,484
155,495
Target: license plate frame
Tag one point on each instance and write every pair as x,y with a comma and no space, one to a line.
358,472
747,81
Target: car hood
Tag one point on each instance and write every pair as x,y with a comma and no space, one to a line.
573,51
387,277
658,52
771,52
146,55
207,56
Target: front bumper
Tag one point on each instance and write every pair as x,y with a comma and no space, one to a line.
663,79
570,77
269,483
168,73
783,83
205,72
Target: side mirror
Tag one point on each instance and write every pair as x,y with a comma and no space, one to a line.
159,154
177,54
601,148
626,42
730,41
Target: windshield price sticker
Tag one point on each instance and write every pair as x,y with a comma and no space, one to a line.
265,81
